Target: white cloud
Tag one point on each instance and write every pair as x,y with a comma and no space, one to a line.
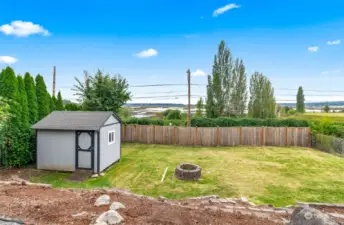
198,73
153,76
191,36
225,8
313,48
8,59
147,53
23,29
335,42
330,72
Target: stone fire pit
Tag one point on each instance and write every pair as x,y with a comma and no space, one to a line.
187,171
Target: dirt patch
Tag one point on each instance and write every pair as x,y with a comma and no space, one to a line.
36,205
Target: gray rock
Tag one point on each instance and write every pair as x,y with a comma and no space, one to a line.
10,221
83,213
310,216
116,205
103,200
95,176
244,199
110,217
162,198
101,223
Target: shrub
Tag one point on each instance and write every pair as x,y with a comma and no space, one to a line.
144,121
247,122
174,115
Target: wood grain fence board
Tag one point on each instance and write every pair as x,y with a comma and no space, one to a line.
222,136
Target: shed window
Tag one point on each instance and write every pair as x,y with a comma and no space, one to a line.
111,137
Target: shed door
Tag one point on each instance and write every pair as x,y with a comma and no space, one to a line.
84,141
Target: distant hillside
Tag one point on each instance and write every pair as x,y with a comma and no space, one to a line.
154,105
316,104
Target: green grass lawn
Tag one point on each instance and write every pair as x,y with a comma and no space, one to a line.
334,117
274,175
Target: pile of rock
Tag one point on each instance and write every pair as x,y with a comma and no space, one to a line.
111,216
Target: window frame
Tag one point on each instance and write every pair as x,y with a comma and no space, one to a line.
110,142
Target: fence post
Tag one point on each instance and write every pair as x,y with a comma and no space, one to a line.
309,138
286,136
217,136
135,134
174,136
153,134
124,132
263,136
240,135
196,136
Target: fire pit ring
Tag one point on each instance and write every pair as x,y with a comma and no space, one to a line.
187,171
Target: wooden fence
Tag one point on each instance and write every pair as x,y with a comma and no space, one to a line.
217,136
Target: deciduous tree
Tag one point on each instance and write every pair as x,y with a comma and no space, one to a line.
300,101
262,102
102,92
200,107
219,84
238,98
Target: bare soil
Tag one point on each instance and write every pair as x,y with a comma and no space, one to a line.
35,205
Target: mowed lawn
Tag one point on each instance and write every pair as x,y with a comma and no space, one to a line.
334,117
274,175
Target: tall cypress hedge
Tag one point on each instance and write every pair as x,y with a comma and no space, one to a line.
16,149
43,98
59,102
24,114
31,98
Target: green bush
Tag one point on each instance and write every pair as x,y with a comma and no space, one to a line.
247,122
174,115
144,121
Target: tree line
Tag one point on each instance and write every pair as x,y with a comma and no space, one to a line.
227,92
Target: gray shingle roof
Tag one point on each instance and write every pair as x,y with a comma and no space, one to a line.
73,120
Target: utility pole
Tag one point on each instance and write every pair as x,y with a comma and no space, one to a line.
54,81
189,93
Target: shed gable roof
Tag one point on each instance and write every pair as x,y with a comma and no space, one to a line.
74,120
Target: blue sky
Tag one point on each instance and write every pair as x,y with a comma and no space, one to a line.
292,42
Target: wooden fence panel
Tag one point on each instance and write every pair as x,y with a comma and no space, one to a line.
185,136
252,136
229,136
158,134
207,136
217,136
168,136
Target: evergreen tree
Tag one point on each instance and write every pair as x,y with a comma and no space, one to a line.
16,149
262,102
52,101
238,97
219,84
31,98
9,84
300,101
43,98
59,102
24,114
200,106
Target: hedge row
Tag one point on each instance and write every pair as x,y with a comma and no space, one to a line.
222,122
247,122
